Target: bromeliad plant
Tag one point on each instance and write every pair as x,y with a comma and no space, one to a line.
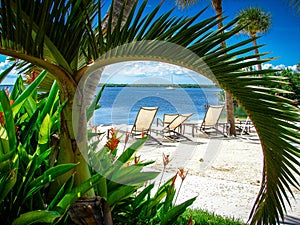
149,207
26,145
122,186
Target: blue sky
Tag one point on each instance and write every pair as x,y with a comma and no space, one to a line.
282,40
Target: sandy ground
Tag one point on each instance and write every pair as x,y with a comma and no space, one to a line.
224,173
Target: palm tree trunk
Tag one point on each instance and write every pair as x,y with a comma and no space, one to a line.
117,7
217,4
256,50
69,147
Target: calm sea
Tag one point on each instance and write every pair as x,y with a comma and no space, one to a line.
120,105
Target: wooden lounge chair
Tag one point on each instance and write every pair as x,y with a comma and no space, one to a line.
167,119
210,122
169,130
143,122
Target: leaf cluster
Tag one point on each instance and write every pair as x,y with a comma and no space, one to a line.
27,145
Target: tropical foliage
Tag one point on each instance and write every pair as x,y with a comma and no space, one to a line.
64,37
123,185
27,136
29,124
255,21
291,84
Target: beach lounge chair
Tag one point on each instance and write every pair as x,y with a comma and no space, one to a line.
143,121
167,119
169,130
243,126
211,120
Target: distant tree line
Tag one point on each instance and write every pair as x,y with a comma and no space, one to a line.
162,85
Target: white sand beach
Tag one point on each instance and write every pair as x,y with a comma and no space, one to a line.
224,173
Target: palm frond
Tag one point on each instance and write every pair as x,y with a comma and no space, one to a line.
71,33
277,131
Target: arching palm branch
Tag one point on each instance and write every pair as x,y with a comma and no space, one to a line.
295,4
63,37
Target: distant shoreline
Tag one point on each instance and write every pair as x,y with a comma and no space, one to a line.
162,85
144,85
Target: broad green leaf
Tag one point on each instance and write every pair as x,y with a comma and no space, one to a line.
18,88
138,200
120,193
66,188
5,166
102,188
31,127
9,182
128,153
4,143
48,176
28,91
37,217
9,156
44,134
43,156
169,198
48,108
9,122
101,161
132,175
171,216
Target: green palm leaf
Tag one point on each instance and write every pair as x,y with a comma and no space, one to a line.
164,38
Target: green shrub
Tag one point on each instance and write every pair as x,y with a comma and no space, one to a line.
26,132
201,217
291,84
123,187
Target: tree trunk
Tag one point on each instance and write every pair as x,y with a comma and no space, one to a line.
256,50
217,4
117,7
90,211
230,114
69,151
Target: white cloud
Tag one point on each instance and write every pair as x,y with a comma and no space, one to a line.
279,67
150,72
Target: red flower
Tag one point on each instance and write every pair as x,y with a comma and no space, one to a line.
182,173
113,141
31,77
174,179
112,144
2,120
166,159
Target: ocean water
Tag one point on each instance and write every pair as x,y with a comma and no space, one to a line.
120,105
